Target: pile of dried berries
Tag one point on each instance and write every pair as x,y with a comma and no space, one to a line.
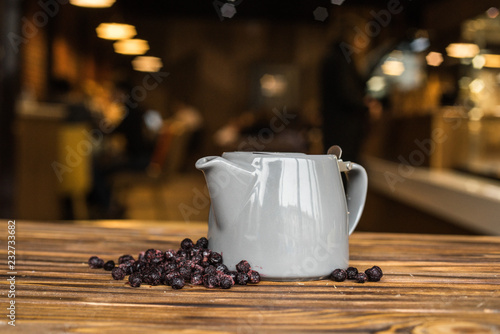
191,263
374,274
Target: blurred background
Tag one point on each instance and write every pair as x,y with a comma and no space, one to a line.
106,105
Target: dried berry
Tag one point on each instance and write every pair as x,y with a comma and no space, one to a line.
202,242
253,276
197,279
177,283
135,280
361,278
197,258
169,267
154,256
338,275
125,258
108,266
352,273
185,273
222,268
118,273
95,262
206,253
241,279
127,267
170,255
243,266
226,282
169,278
210,270
187,244
210,281
182,254
215,258
233,274
374,274
151,276
197,269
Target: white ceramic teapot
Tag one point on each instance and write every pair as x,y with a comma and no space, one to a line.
285,213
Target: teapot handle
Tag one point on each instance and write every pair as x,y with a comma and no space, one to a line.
357,186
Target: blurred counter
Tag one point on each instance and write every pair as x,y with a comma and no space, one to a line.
467,200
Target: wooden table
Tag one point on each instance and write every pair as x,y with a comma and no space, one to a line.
432,284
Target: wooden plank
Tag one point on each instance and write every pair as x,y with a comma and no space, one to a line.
431,282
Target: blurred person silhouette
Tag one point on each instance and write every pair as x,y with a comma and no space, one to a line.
345,69
135,155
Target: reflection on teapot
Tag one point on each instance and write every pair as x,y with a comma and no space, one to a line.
285,213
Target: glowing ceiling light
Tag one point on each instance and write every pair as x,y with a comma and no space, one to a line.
491,60
478,62
131,46
393,67
434,58
462,50
92,3
114,31
147,64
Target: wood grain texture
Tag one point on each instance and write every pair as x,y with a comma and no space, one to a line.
432,284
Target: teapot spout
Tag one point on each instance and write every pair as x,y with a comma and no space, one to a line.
209,163
229,184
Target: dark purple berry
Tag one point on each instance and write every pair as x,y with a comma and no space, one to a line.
226,282
233,274
137,266
177,283
169,267
151,276
222,268
215,258
154,256
95,262
374,274
210,270
117,273
185,273
187,244
243,266
210,281
197,279
253,276
206,253
182,254
352,273
108,266
125,258
141,257
170,277
361,278
338,275
135,280
170,255
202,242
197,258
198,269
127,267
241,279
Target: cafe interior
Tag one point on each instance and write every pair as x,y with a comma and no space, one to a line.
105,106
